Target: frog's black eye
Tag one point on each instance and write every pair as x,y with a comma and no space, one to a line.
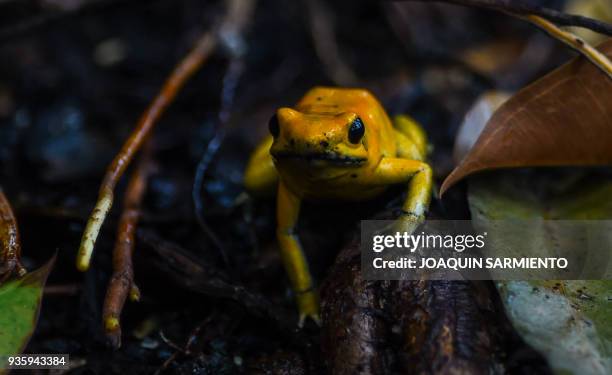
273,126
356,131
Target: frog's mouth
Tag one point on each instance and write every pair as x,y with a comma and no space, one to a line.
329,157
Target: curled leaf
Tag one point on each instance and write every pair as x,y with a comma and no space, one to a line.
563,119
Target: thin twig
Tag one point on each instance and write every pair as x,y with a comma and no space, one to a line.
240,13
181,74
10,251
574,42
193,336
228,93
177,349
167,362
170,343
522,8
121,283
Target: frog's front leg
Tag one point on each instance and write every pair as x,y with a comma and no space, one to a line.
260,176
288,209
396,170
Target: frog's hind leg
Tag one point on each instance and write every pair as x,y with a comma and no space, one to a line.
260,176
410,137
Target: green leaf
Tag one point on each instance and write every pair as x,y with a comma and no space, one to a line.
569,322
19,307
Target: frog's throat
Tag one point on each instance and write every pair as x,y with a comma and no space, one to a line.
331,157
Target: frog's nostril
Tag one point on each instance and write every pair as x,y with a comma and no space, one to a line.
324,144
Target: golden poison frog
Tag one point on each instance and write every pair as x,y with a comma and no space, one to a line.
336,143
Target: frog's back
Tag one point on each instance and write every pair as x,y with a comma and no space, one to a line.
335,100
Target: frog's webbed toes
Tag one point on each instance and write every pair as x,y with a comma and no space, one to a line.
314,317
308,306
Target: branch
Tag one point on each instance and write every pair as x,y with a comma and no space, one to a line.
121,283
521,8
186,68
179,76
574,42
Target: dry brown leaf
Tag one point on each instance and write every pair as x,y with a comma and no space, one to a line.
562,119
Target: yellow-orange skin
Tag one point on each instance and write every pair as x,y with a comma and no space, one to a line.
312,158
